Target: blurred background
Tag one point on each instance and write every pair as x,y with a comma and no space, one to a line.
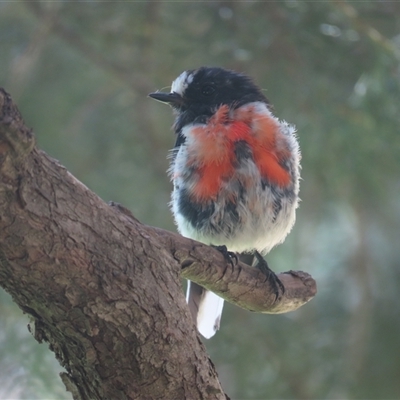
80,73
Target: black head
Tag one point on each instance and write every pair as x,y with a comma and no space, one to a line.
197,94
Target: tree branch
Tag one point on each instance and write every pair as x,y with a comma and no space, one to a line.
241,284
103,289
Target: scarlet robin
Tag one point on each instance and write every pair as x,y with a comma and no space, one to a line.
235,170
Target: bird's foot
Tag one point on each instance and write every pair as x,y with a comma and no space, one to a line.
276,283
229,256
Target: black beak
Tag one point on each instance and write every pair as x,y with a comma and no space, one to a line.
172,98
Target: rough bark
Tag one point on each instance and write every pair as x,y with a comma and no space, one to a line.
103,289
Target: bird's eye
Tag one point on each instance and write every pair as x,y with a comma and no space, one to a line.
207,90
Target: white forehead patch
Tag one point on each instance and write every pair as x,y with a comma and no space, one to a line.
180,84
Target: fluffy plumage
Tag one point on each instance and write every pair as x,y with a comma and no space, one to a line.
235,170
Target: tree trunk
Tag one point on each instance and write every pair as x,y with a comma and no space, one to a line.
103,289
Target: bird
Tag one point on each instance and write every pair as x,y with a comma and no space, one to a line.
235,169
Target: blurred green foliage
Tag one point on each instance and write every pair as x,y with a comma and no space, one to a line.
80,73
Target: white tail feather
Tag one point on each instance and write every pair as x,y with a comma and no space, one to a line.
209,314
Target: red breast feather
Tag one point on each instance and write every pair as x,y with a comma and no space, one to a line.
214,157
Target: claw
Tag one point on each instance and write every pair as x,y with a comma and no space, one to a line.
228,255
276,283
